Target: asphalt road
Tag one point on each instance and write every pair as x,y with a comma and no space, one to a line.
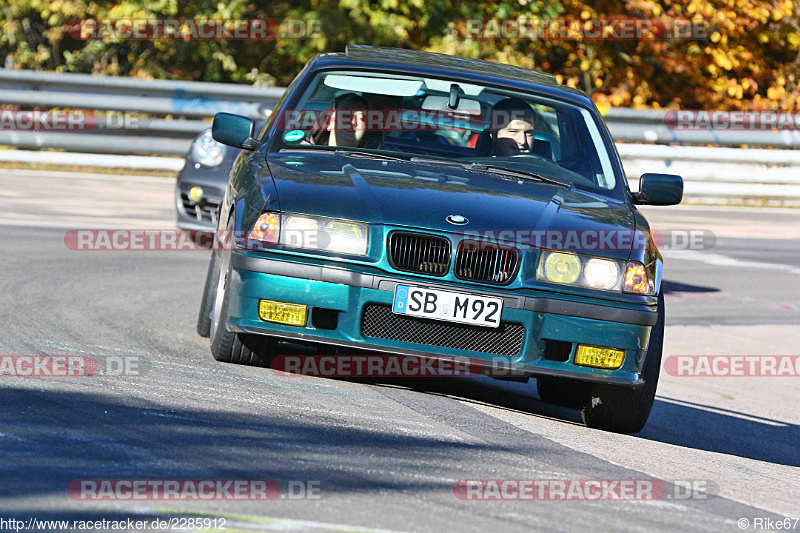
384,455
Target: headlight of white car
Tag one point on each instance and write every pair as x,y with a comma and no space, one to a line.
207,151
320,233
593,272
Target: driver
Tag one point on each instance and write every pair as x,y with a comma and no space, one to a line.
512,127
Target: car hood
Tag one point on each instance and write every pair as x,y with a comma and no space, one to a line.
416,195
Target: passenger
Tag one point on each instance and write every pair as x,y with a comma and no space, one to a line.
512,127
344,123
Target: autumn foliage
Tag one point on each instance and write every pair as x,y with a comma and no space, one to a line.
749,58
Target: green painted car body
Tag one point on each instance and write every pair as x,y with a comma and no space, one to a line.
350,297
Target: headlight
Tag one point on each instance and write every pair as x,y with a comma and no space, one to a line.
601,273
562,268
302,232
207,151
196,194
329,234
593,272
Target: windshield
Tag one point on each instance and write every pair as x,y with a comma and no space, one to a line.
408,116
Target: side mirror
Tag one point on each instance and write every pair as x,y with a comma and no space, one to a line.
234,130
659,189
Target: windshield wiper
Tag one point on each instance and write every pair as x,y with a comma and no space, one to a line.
496,169
444,162
346,153
481,167
368,155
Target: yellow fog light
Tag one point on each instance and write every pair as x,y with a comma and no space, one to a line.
599,357
282,313
196,194
560,267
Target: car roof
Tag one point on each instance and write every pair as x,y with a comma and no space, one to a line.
411,60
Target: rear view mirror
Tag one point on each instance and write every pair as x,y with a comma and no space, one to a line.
234,130
442,103
659,189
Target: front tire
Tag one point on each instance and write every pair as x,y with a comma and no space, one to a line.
207,303
624,409
227,346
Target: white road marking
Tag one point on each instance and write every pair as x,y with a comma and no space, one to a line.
725,261
11,173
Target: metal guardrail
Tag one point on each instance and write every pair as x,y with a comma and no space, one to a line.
649,126
72,159
720,174
181,110
189,105
191,99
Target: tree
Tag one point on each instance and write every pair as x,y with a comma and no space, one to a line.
749,57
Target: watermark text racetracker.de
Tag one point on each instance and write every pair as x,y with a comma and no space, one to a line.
193,489
645,489
732,365
613,28
71,365
193,29
732,120
69,120
369,365
573,240
144,240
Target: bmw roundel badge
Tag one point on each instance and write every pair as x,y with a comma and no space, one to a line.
458,220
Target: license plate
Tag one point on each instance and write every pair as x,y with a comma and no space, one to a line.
448,306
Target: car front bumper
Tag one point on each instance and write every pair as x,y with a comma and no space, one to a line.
353,296
202,215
